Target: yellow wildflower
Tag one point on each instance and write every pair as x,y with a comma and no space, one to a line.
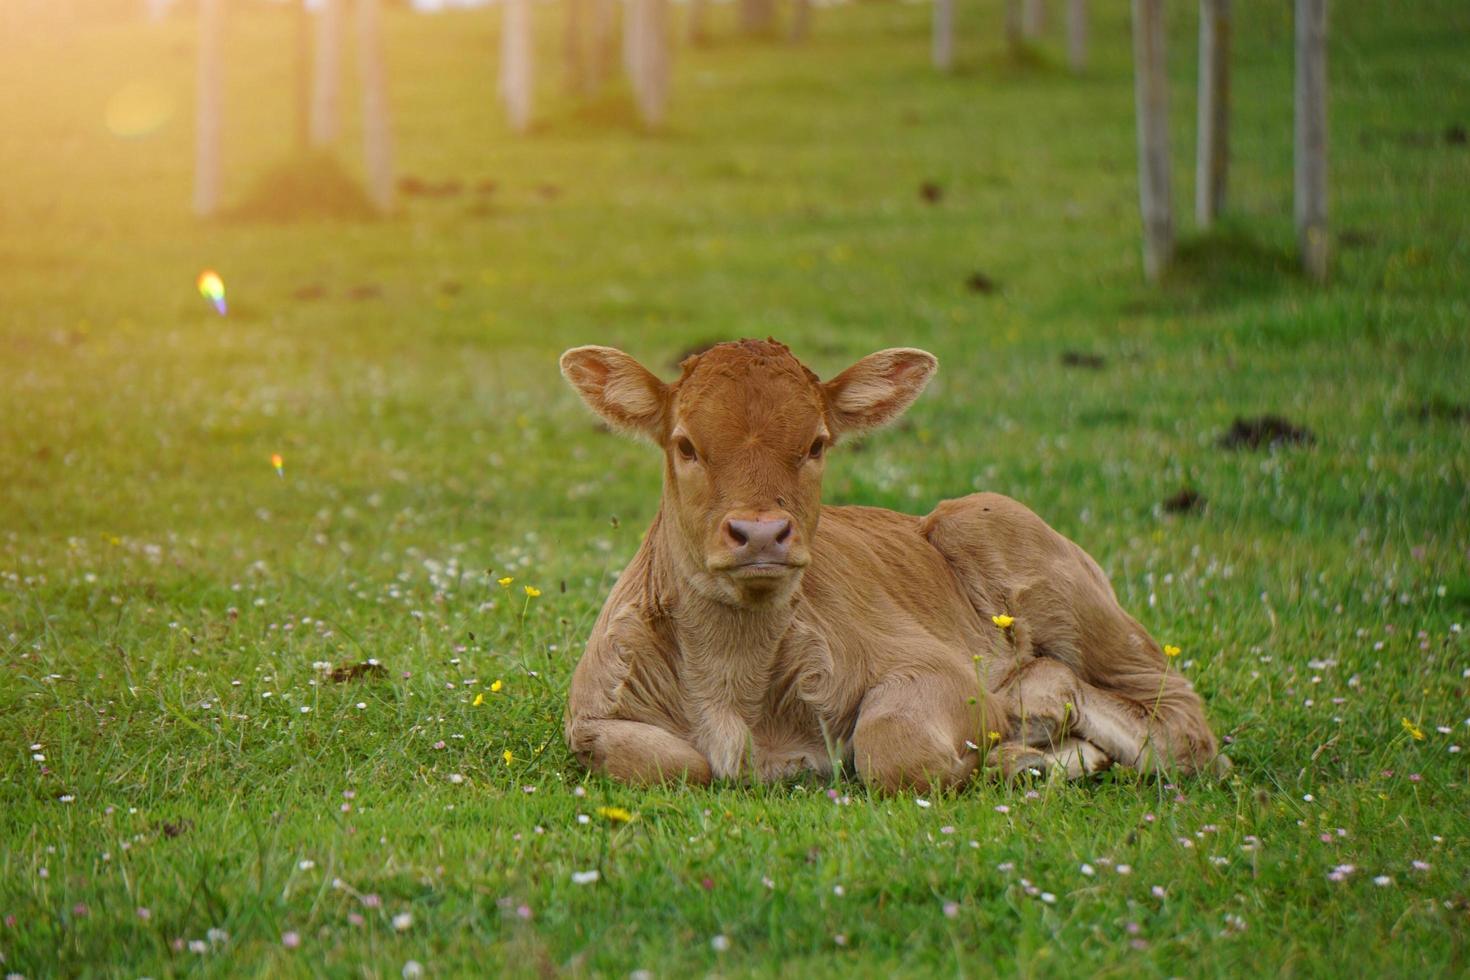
504,583
532,591
479,699
1003,621
1414,730
995,736
1170,650
614,813
495,688
507,757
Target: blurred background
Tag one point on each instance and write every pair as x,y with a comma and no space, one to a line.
413,208
282,293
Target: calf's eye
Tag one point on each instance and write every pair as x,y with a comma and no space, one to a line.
686,450
818,447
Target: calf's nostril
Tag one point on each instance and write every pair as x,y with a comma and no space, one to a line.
735,534
785,533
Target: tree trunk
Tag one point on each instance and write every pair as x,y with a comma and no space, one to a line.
209,110
1033,21
758,17
515,62
1212,152
943,43
649,29
1311,135
377,131
1152,106
801,20
326,89
1077,34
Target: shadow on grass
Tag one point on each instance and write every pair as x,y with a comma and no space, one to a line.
306,187
609,111
1023,62
1220,267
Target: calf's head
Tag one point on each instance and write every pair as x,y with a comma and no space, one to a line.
745,432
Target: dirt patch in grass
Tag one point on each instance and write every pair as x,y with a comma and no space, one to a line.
1265,431
1440,409
1082,359
1187,500
979,282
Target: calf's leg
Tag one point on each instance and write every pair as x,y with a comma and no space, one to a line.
911,732
1041,703
637,753
1129,703
1074,757
1041,700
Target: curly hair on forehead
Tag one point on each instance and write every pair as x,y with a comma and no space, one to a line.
738,358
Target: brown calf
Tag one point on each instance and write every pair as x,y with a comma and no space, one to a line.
758,632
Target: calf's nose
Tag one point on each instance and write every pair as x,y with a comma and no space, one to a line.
758,540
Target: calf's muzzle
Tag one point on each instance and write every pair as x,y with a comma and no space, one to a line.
760,540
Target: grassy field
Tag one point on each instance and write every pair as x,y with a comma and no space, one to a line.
185,789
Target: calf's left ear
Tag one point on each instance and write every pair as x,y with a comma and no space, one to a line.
877,389
618,388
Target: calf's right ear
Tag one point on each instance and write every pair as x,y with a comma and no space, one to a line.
618,388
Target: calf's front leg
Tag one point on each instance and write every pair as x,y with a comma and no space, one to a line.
636,752
912,732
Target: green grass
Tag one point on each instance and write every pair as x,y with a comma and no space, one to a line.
165,597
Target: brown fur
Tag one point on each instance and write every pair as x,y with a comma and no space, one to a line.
870,643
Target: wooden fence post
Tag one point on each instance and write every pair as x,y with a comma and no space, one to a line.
1311,135
943,42
632,48
302,17
515,62
326,75
757,17
377,131
209,110
1152,106
697,29
1077,34
648,56
574,46
1033,20
801,20
1212,151
604,41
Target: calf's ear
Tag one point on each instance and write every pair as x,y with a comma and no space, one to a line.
617,388
877,389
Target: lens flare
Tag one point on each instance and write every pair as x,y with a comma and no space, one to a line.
279,464
212,288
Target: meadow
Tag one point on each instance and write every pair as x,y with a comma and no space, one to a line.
191,783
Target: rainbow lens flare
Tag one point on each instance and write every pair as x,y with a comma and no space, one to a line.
212,288
279,464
